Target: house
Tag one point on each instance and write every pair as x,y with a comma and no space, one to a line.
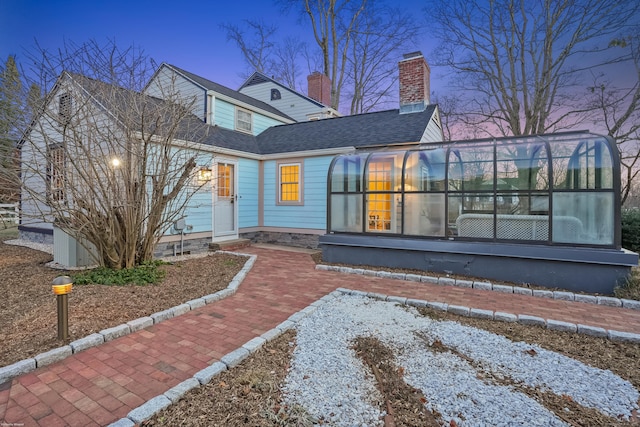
267,147
379,188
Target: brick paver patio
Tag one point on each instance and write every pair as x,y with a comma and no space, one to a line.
102,384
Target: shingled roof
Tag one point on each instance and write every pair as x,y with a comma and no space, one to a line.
216,87
231,139
362,130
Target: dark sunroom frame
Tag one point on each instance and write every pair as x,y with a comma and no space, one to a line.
541,209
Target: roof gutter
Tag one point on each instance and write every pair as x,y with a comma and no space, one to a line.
253,156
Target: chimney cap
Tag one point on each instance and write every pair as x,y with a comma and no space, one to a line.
415,54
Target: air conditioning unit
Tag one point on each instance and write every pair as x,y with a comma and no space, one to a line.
69,252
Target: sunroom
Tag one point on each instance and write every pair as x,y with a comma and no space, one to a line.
541,210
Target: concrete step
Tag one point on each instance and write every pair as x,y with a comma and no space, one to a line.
230,245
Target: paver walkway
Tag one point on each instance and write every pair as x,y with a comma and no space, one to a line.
102,384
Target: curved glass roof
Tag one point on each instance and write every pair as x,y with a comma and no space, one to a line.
547,189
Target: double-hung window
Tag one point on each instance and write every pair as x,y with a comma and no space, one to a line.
243,120
290,183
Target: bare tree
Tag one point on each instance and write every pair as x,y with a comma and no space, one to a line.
521,61
450,115
379,36
16,110
617,109
333,23
102,161
11,107
257,47
263,52
284,67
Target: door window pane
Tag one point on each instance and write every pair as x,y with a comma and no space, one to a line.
225,180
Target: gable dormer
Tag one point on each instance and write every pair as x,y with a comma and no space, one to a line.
294,104
214,103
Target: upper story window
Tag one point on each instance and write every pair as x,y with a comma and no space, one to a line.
275,95
64,107
243,120
290,183
55,173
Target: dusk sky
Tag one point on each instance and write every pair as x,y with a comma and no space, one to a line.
186,34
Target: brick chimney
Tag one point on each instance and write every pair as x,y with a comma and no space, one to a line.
414,77
319,88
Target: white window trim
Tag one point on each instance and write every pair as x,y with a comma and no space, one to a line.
237,119
290,162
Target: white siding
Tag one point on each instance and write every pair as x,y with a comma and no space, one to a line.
433,131
290,104
167,84
33,171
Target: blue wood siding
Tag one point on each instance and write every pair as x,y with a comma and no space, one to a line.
313,214
224,114
248,191
199,210
260,123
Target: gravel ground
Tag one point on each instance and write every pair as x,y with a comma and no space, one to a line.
468,376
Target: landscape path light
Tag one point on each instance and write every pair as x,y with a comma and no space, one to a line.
61,286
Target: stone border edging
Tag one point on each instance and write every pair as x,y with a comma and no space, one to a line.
555,325
230,360
488,286
25,366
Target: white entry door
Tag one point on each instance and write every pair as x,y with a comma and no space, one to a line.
225,200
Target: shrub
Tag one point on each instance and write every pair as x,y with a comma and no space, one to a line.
631,289
144,274
631,229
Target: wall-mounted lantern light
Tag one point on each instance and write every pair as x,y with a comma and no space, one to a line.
203,176
61,287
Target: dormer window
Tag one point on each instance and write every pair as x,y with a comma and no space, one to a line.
64,108
243,120
275,95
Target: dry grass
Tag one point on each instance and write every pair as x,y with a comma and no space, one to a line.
28,318
631,289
